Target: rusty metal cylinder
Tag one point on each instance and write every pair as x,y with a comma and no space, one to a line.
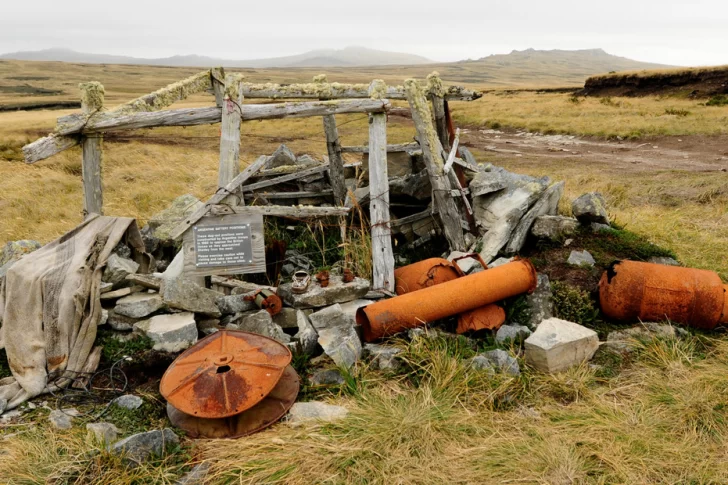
424,274
488,317
410,310
630,290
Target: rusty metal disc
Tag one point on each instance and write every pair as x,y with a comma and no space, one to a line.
265,413
224,374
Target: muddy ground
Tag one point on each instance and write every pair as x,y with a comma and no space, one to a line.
692,153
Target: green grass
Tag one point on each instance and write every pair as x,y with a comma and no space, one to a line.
574,304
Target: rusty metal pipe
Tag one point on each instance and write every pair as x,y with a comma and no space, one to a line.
630,290
424,274
410,310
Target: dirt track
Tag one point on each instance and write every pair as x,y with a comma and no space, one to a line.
694,153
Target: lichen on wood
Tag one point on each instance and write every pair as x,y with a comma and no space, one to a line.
419,103
378,89
168,95
92,95
232,85
434,84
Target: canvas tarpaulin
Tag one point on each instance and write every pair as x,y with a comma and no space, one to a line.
50,306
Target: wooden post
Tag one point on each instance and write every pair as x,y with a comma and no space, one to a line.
217,79
382,256
230,130
92,101
437,96
432,155
336,162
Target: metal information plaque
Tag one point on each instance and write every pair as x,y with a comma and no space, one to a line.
223,245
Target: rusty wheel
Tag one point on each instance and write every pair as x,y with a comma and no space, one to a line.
224,374
265,413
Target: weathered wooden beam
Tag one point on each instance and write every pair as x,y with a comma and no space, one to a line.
92,101
382,254
453,152
290,195
431,150
168,95
219,196
217,79
281,210
436,94
48,146
76,123
285,178
229,165
336,162
399,147
317,90
286,169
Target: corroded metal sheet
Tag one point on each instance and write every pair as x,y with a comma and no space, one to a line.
224,374
488,317
267,412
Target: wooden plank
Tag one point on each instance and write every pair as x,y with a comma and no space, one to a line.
468,161
285,178
79,123
453,152
169,94
229,166
317,90
219,196
299,212
438,111
411,218
400,147
257,264
48,146
382,254
92,101
290,195
336,162
286,169
432,154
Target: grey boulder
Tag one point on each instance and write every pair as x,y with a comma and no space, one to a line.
183,294
316,296
558,344
302,412
554,228
117,268
342,344
170,333
262,324
136,449
590,207
139,305
581,258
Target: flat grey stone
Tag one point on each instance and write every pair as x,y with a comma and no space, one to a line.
185,295
138,305
104,317
60,420
102,433
597,227
485,183
261,323
514,333
540,302
136,449
302,412
3,405
305,341
316,296
554,228
503,362
590,207
117,268
624,340
664,260
480,362
498,213
14,250
121,323
231,304
286,318
558,344
465,265
328,377
162,223
342,344
283,156
350,308
209,326
105,287
129,401
581,258
170,333
548,204
120,293
383,357
331,316
500,262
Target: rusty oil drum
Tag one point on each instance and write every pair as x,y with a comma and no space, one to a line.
631,290
424,274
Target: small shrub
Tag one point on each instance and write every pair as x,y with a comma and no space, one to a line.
718,100
573,304
608,101
677,112
574,99
114,349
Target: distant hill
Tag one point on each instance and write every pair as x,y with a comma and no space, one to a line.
348,56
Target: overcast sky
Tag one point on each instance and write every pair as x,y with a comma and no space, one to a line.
691,32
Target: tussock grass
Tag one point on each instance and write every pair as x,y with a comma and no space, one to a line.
661,73
660,421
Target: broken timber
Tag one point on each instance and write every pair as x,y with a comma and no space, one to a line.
92,101
229,166
431,150
401,147
338,90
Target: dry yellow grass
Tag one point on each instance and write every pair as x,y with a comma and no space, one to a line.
649,73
